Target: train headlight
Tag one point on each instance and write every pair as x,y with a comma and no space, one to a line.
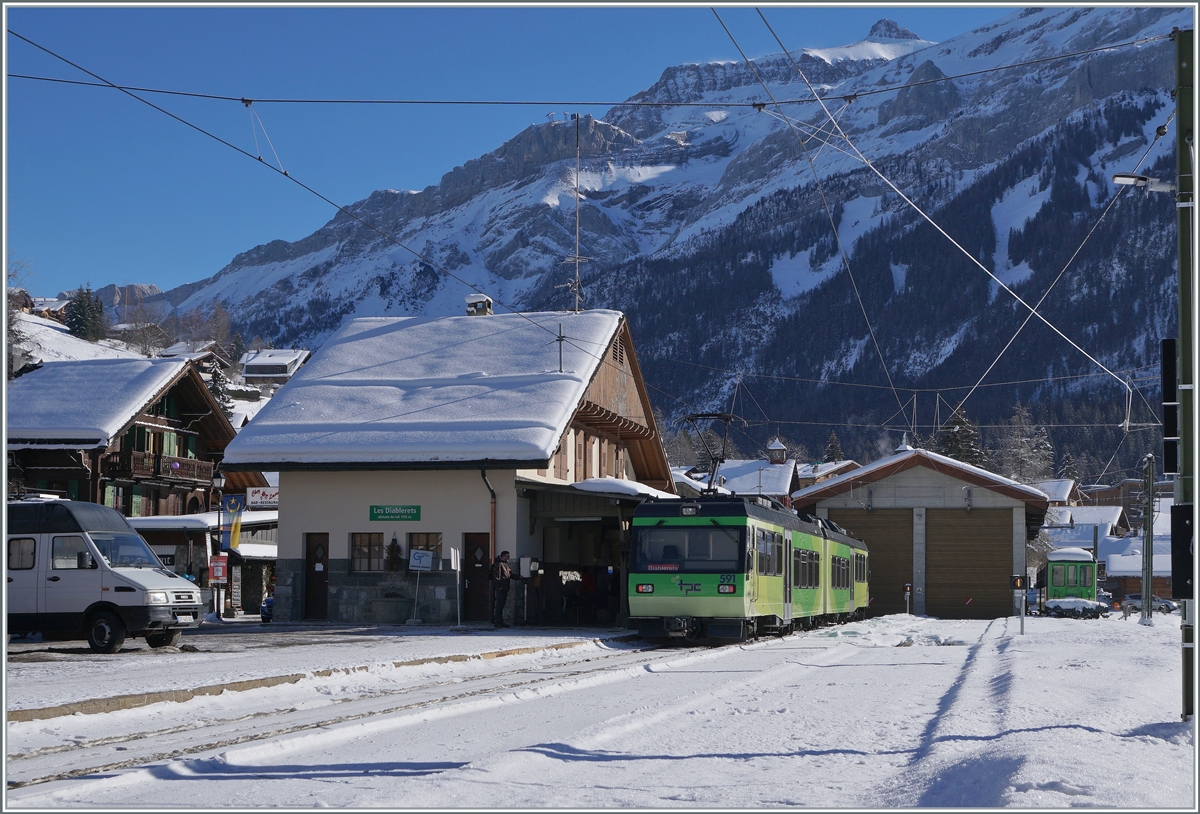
727,589
645,589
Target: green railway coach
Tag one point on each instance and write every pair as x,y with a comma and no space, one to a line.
731,568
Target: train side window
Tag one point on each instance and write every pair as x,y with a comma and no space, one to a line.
797,569
816,569
1058,576
20,553
1085,576
778,558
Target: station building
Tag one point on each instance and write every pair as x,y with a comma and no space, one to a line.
461,437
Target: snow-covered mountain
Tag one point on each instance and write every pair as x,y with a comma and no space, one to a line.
701,219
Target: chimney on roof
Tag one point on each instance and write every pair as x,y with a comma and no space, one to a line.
904,447
479,305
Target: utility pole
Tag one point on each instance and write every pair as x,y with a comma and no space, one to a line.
1182,517
1148,544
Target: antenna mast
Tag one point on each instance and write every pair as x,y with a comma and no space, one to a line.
575,286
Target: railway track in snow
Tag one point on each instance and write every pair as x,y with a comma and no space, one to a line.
141,746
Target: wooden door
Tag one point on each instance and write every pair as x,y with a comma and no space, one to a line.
477,549
316,576
888,534
968,562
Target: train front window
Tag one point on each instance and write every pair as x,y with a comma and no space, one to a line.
713,550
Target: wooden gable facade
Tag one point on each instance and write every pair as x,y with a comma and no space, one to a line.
613,433
160,463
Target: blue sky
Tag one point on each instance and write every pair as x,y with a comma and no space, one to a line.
103,189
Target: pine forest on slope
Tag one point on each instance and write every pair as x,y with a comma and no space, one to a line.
703,223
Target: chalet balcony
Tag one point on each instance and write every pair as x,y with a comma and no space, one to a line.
189,469
130,464
136,465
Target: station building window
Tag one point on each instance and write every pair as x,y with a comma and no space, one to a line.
367,551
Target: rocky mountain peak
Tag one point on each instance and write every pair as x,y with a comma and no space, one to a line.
890,30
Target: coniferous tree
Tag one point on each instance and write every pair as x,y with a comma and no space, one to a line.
237,347
1067,468
833,450
959,439
1024,452
85,315
218,385
13,300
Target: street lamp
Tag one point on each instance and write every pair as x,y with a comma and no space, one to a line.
1131,179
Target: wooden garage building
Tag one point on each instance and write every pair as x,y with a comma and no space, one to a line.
955,532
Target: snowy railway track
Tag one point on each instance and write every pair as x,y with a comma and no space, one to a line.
138,748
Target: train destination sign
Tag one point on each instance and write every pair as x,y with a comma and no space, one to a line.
395,513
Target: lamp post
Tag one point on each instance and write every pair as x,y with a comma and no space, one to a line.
218,482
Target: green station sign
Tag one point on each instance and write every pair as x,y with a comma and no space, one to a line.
395,513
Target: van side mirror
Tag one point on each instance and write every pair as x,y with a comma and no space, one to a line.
83,560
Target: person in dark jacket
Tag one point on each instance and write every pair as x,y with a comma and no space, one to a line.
501,577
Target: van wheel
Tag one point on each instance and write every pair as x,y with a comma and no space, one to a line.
105,632
168,638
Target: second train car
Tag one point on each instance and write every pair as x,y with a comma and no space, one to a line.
732,568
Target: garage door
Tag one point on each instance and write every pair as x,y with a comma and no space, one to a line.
888,535
968,562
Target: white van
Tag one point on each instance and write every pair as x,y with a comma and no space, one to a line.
80,571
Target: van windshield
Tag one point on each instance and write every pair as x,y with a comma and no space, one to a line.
124,550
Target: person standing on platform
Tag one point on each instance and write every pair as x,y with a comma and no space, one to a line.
501,577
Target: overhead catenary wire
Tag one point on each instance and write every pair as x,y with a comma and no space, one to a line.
824,203
1129,391
930,220
392,239
593,103
602,356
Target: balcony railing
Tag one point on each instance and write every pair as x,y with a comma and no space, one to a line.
135,464
184,468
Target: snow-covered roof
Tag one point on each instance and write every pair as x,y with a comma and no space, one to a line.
245,411
396,390
823,468
1058,490
1069,554
679,474
199,346
83,404
1130,565
201,520
620,486
273,356
755,477
1076,525
49,341
901,461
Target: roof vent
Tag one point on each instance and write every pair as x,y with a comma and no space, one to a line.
479,305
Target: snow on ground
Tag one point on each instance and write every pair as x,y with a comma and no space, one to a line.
50,341
899,711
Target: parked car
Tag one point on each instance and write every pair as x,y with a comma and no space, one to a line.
267,610
1134,602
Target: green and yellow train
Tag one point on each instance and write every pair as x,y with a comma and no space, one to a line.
732,568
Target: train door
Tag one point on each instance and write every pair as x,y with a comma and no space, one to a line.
786,566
